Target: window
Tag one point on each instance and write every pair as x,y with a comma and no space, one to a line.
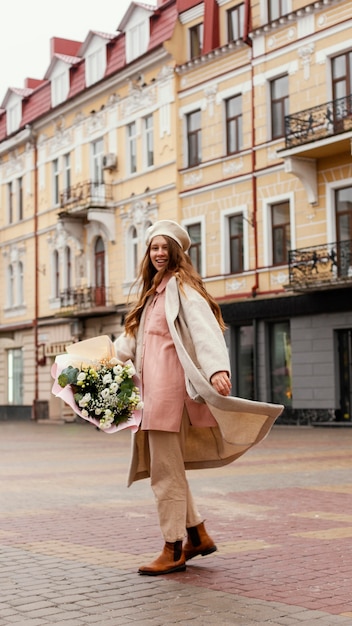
242,339
196,41
148,141
281,237
60,85
343,204
97,153
67,172
195,251
20,283
278,8
279,105
13,117
99,262
137,40
95,65
132,147
10,202
68,268
15,376
233,124
194,138
236,243
341,88
342,75
133,253
56,185
15,283
20,199
10,286
235,23
56,274
280,363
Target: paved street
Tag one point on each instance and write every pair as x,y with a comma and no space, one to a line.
72,535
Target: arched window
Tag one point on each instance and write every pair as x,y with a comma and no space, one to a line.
56,274
68,268
10,286
20,295
99,266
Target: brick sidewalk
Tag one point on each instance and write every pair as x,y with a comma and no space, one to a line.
72,535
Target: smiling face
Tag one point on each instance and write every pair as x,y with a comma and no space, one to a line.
159,252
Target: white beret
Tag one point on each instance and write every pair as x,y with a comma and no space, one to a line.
170,229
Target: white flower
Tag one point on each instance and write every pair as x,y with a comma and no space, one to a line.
85,400
107,378
130,370
113,361
81,376
113,387
85,413
98,411
117,369
108,415
105,393
118,380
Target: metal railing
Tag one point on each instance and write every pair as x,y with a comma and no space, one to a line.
319,122
327,263
85,298
86,194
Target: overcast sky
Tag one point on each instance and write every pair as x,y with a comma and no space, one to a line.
26,27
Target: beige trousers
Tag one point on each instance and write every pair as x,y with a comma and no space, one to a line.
176,508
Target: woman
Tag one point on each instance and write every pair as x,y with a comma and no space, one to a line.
174,335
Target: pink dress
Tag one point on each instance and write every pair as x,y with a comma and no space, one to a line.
163,381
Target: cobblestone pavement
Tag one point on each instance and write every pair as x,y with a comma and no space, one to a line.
72,535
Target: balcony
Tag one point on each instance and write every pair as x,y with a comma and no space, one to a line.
318,123
78,199
86,300
321,267
88,202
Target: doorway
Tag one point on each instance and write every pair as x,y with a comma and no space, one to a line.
344,344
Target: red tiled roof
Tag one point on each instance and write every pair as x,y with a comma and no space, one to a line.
37,101
116,55
37,105
184,5
64,46
162,24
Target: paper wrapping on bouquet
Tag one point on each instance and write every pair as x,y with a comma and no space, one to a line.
89,351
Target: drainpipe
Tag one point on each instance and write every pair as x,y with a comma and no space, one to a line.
36,279
254,186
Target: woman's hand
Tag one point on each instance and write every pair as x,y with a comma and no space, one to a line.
221,382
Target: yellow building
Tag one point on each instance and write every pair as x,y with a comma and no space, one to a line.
232,118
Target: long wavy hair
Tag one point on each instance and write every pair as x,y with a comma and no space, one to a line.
149,279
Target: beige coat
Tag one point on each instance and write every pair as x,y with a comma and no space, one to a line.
202,351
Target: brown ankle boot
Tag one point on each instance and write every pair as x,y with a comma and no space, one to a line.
172,559
198,542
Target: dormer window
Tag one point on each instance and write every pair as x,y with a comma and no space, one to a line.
137,39
136,26
60,84
13,116
95,65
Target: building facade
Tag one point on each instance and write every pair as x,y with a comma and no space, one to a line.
232,118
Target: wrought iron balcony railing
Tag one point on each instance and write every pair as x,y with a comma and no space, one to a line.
324,120
86,195
319,265
85,298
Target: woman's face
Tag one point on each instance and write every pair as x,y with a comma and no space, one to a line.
159,252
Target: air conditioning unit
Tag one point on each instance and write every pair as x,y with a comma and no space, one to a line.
110,161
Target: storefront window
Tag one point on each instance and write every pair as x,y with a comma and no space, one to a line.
15,376
280,363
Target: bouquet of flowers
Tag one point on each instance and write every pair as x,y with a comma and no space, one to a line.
97,386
